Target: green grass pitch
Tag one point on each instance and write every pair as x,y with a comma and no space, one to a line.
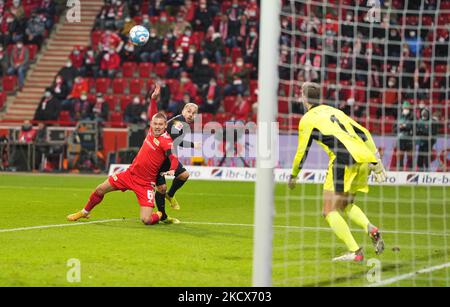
213,246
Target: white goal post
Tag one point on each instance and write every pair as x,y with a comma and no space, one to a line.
267,110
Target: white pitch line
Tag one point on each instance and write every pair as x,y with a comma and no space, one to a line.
58,225
305,228
409,275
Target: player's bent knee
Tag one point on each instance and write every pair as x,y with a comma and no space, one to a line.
184,176
162,189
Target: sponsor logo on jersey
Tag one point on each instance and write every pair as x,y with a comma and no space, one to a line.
156,141
115,177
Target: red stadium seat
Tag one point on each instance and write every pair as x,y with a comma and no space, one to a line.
128,69
9,83
228,103
136,86
235,53
64,117
95,38
2,99
161,69
283,106
206,118
221,118
119,85
116,119
32,51
102,85
145,70
112,101
294,121
124,101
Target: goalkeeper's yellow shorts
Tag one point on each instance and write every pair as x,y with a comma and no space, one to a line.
347,178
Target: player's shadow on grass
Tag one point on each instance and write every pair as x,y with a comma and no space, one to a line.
186,229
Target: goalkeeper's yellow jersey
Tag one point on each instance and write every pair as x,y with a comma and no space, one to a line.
337,133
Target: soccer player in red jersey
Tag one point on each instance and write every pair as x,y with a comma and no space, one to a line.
140,177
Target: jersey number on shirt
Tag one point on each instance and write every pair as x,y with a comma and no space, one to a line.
150,196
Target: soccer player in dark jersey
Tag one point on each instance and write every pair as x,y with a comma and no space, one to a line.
353,155
141,176
176,128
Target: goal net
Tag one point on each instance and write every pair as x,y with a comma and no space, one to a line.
386,64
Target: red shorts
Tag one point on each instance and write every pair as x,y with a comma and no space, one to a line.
145,191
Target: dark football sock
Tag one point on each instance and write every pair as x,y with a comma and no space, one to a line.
161,204
176,184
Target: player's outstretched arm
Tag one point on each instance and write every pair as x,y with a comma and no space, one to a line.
304,142
153,107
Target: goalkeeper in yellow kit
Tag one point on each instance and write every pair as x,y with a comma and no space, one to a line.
353,154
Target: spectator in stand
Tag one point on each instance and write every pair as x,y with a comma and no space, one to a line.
151,51
284,65
394,45
252,13
48,108
310,64
154,8
128,53
77,58
203,17
109,64
203,74
234,14
192,60
212,96
59,88
107,16
188,11
181,24
286,29
121,13
241,109
3,61
163,25
129,23
69,73
184,86
35,29
48,8
214,47
166,56
228,40
422,78
80,86
111,40
135,112
27,134
251,47
100,109
19,62
81,108
90,64
186,40
390,97
442,46
17,10
408,67
405,137
243,31
146,22
177,64
414,42
164,95
427,130
237,80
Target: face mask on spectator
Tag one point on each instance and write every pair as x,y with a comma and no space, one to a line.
152,34
203,6
76,52
192,51
252,34
235,5
19,45
239,63
205,62
405,112
69,64
163,19
118,3
136,101
188,33
391,83
47,94
83,97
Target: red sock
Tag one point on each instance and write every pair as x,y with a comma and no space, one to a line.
94,200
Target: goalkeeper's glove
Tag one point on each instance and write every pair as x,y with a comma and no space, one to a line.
292,182
378,171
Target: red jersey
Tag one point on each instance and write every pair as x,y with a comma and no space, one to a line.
151,156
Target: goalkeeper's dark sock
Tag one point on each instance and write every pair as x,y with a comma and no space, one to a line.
93,201
161,204
176,184
357,216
